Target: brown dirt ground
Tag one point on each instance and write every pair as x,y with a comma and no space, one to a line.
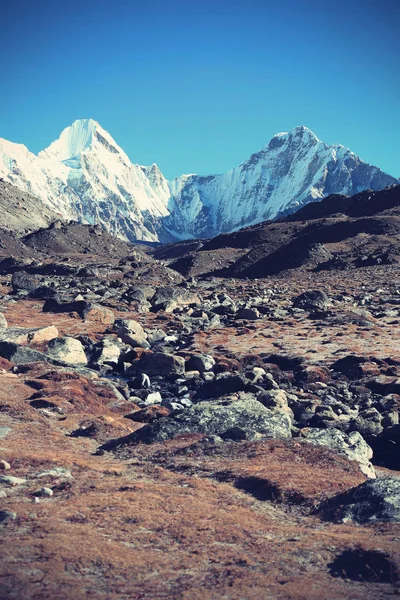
186,519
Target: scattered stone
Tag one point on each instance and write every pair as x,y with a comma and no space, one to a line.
20,335
4,465
106,352
130,325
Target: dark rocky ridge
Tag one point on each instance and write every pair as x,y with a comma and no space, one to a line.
338,232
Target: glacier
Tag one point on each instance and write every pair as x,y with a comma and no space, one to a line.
84,175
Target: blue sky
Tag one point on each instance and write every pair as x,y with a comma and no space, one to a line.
197,86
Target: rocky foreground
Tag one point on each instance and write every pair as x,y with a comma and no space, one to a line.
171,436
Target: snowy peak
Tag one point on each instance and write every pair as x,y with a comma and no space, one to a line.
73,140
83,135
86,176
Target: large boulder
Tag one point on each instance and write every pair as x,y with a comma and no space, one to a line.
222,384
250,314
372,501
229,418
351,445
99,314
23,281
21,355
105,352
131,332
170,297
123,325
158,363
22,335
67,350
200,362
313,300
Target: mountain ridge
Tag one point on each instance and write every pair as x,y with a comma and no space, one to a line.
85,175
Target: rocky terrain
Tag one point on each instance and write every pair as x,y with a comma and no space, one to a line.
209,419
23,213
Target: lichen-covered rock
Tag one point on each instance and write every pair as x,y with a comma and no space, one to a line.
372,501
351,445
312,300
217,418
68,350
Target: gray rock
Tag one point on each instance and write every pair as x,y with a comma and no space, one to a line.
222,384
351,445
45,492
373,501
153,398
4,465
67,350
56,472
4,431
312,300
106,352
11,481
7,515
276,400
200,362
21,355
217,417
155,335
133,339
250,314
3,322
158,363
213,323
368,422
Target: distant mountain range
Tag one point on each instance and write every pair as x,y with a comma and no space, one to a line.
86,176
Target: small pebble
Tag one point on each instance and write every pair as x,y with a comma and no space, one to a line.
4,465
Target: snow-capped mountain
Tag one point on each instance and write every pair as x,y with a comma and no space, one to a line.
85,175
